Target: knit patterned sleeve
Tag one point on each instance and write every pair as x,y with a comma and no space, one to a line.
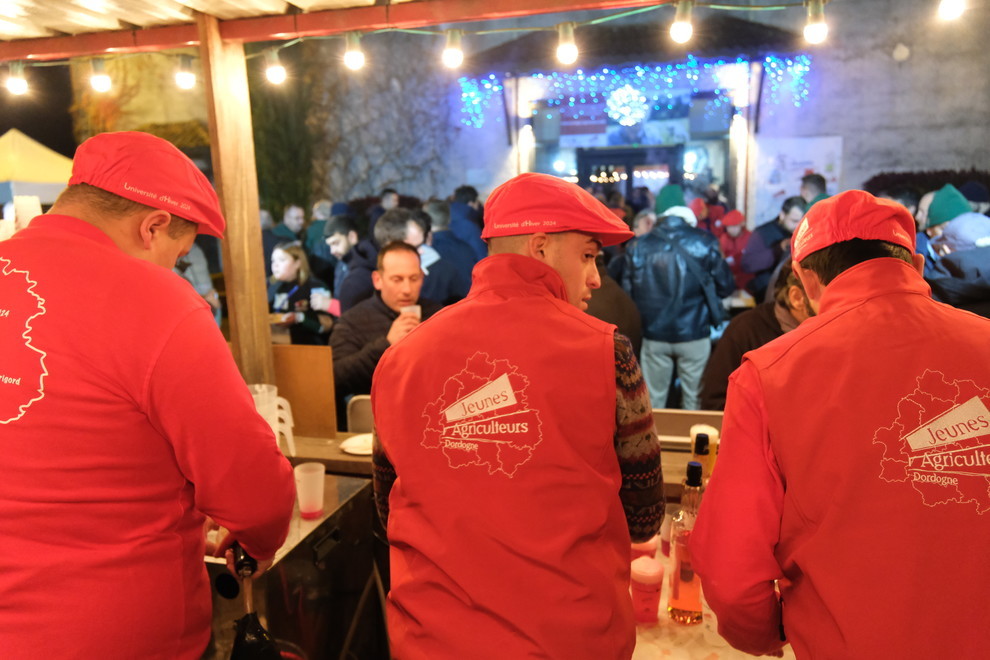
383,476
637,446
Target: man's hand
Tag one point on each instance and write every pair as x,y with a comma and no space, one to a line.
401,327
222,548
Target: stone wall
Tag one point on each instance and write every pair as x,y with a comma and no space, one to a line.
928,111
385,126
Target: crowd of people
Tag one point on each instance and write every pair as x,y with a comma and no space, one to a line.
515,456
665,288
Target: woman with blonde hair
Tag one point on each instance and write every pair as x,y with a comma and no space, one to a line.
288,296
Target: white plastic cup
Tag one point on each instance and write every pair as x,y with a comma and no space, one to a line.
415,310
646,580
309,489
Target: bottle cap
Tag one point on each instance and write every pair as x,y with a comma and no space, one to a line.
701,444
694,474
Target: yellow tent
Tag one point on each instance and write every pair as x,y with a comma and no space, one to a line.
28,167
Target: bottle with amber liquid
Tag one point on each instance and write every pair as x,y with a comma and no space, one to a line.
684,604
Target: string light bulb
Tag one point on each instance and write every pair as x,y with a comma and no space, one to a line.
16,82
353,55
98,79
567,50
184,77
453,56
816,30
274,70
681,29
950,10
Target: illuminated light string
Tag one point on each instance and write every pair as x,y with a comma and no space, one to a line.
816,30
631,94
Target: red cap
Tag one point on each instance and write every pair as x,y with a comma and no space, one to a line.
151,171
733,218
852,214
531,203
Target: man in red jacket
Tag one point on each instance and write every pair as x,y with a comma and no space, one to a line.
854,460
124,420
516,454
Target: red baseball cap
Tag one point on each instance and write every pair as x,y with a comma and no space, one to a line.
733,218
852,214
151,171
531,203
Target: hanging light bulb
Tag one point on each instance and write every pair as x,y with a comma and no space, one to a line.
274,70
567,50
16,82
681,29
184,77
453,56
353,55
816,30
949,10
98,79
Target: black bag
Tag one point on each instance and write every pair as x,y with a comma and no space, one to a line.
716,311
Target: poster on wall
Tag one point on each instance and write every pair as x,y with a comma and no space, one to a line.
780,164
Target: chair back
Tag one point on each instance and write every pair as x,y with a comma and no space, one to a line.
304,376
359,418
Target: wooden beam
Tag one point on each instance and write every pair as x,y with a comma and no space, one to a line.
321,23
236,181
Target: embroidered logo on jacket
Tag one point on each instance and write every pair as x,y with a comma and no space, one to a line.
22,366
940,442
483,417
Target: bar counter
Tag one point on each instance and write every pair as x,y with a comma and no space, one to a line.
675,457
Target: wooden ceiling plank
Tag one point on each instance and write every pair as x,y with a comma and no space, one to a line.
406,15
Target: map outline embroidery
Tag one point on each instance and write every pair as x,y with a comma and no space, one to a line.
483,418
7,270
940,442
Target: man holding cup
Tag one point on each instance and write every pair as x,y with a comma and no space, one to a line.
125,421
364,332
515,453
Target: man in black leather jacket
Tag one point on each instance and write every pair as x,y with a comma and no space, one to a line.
669,292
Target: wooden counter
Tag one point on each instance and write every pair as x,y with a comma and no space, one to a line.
327,451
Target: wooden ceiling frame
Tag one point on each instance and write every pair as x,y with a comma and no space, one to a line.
409,15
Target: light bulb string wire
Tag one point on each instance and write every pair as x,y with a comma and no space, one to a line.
465,33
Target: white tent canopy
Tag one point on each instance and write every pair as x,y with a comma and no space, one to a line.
28,167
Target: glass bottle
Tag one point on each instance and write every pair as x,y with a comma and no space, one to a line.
684,604
704,454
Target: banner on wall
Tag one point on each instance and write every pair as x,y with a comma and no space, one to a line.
780,164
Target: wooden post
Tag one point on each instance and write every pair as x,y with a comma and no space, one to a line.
236,180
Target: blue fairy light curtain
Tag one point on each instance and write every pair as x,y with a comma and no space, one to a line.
631,95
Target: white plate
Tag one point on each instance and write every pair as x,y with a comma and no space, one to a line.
358,445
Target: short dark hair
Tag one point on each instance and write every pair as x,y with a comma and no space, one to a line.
387,191
466,194
829,262
791,202
391,226
339,224
395,246
109,204
439,212
907,196
814,180
423,219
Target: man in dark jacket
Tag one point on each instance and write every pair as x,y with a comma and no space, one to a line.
443,240
664,274
768,243
465,219
357,284
364,332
